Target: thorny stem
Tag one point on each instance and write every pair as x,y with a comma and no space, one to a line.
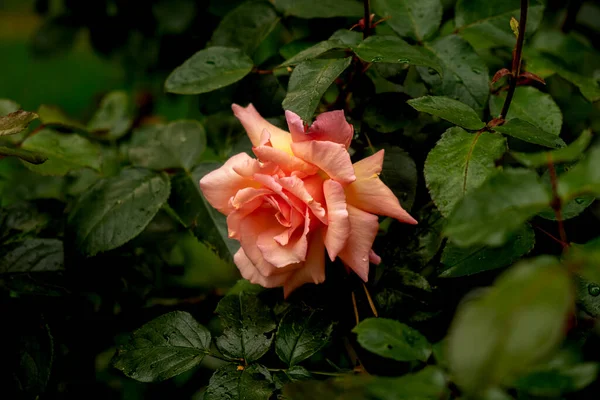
556,204
516,62
367,30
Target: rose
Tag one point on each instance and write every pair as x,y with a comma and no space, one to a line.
301,196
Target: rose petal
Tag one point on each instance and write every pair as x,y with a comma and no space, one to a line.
220,185
338,228
295,186
363,229
289,163
251,273
329,127
313,270
255,124
374,258
282,256
234,218
333,158
370,194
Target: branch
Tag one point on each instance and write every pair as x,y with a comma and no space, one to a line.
516,62
367,17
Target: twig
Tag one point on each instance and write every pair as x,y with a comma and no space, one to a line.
355,308
556,203
516,62
371,304
367,29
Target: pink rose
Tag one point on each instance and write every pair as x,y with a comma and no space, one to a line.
300,196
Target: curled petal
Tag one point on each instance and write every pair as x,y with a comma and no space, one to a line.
370,194
329,126
332,158
374,258
313,270
234,218
289,163
295,186
255,124
338,228
251,273
363,229
220,185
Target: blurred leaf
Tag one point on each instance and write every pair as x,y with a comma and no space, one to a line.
584,178
253,382
308,83
248,327
386,112
164,347
487,24
55,35
392,339
530,105
32,255
514,26
341,39
53,116
569,209
208,70
392,49
460,261
294,374
113,118
416,19
449,109
550,382
117,209
209,225
465,74
495,338
64,152
585,259
8,106
459,163
319,8
545,67
21,219
565,155
527,132
490,213
25,155
301,333
176,145
399,173
246,26
16,121
174,16
17,183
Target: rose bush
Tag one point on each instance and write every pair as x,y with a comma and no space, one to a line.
300,196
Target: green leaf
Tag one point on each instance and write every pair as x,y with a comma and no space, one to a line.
16,122
544,66
490,213
301,333
209,225
416,19
570,208
246,26
17,183
294,374
551,382
64,152
341,39
319,8
52,116
528,132
392,49
386,112
565,155
25,155
176,145
113,118
530,105
173,17
427,384
392,339
584,178
8,106
459,163
460,261
117,209
585,258
248,327
208,70
465,74
520,320
164,347
308,83
32,255
487,24
449,109
232,382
